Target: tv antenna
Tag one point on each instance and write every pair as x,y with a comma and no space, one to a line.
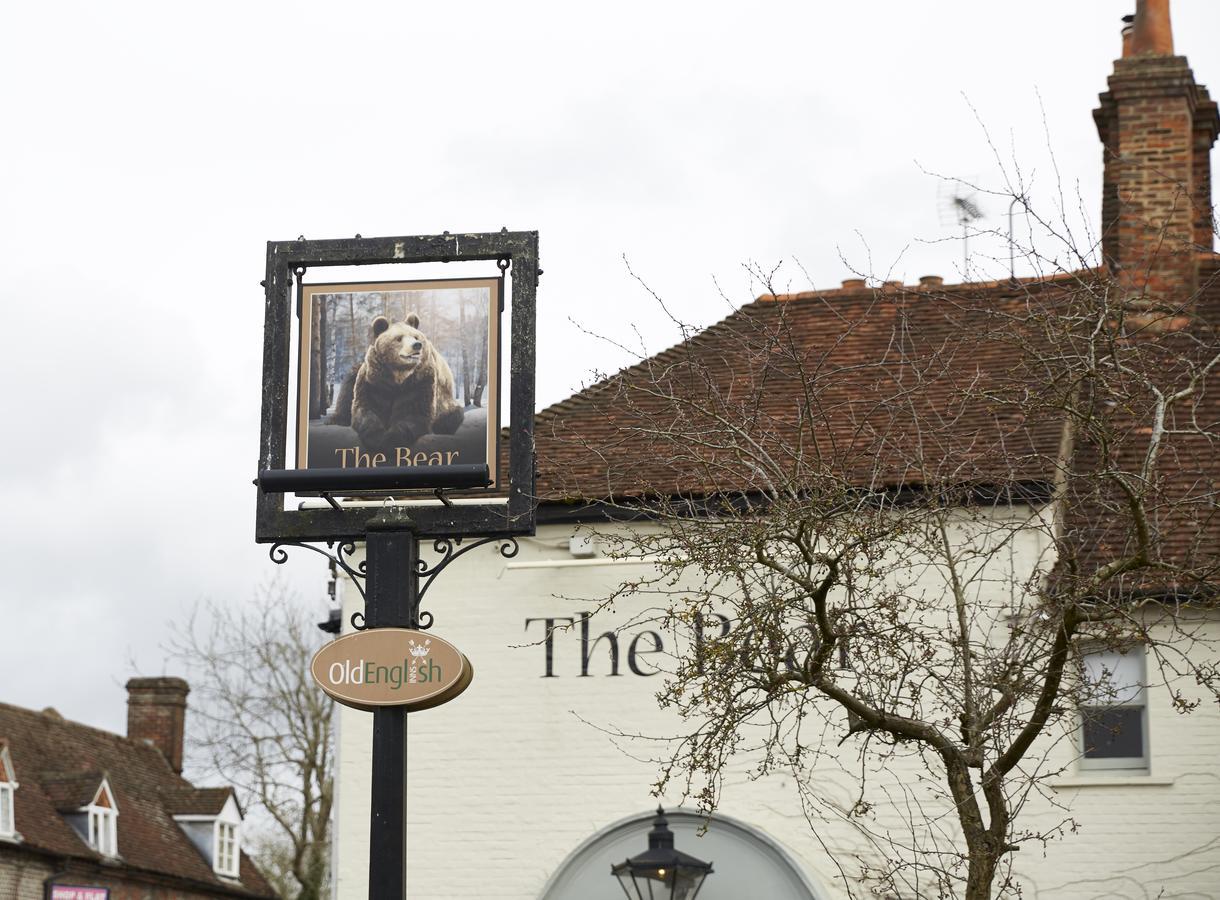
959,205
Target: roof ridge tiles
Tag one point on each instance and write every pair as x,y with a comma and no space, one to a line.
879,290
59,720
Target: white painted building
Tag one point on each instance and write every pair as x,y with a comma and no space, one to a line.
518,788
529,786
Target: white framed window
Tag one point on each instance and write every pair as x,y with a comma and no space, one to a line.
8,827
103,830
1114,712
103,822
228,859
8,787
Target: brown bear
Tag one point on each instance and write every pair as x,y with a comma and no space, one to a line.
403,389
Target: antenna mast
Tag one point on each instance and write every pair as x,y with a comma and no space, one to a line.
961,207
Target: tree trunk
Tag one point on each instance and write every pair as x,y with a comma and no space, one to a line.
983,863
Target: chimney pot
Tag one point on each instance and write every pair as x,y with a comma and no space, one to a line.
1152,34
931,281
853,284
1128,29
156,714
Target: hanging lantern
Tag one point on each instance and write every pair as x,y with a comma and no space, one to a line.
661,872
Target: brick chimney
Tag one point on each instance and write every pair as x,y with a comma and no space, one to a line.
156,714
1157,125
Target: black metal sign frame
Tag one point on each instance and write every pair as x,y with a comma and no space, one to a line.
274,523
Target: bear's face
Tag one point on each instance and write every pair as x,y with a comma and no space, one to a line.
399,346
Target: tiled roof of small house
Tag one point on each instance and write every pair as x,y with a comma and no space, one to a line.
193,801
60,764
70,792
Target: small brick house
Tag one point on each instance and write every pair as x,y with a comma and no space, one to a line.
90,815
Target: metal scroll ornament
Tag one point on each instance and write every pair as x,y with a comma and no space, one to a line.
448,548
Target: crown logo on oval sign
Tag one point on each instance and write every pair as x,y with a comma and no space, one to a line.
418,649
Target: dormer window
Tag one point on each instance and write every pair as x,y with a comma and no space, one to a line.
103,822
7,826
103,828
211,819
8,785
226,849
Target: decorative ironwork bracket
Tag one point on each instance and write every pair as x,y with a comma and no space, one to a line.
446,547
357,573
449,548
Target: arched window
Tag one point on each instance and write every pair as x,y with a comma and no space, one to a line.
747,863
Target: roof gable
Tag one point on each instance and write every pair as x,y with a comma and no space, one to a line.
103,798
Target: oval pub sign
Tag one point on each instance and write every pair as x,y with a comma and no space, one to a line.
391,667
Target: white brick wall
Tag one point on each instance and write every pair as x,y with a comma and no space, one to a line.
506,780
22,878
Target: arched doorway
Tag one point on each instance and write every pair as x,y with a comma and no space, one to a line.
747,863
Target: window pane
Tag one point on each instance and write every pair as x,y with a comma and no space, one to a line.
1116,677
1115,732
6,809
226,848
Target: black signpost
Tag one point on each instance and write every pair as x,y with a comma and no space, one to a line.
396,577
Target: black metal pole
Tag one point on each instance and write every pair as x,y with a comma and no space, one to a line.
392,602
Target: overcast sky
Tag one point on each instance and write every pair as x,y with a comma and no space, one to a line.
150,151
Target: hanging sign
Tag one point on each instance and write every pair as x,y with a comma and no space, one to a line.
399,374
391,667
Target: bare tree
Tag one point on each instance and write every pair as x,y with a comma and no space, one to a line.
919,507
261,722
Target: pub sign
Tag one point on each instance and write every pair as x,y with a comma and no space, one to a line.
399,374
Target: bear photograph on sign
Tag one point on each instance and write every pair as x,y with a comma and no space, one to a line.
399,374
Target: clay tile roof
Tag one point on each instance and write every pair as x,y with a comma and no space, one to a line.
587,449
69,792
595,444
62,764
196,801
